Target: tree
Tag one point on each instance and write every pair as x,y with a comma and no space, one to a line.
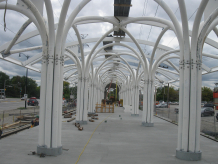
3,77
38,92
206,94
17,87
173,94
66,90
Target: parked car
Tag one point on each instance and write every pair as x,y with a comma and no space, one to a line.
2,96
172,103
22,98
209,105
204,102
162,105
33,101
207,111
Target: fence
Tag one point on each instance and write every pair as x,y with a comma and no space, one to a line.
17,119
104,108
209,124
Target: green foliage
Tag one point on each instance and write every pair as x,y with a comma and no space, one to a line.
38,91
19,87
111,94
3,77
15,87
173,94
207,94
66,90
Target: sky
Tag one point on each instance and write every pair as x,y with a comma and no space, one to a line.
14,21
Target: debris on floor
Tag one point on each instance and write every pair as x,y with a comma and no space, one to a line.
68,116
80,128
71,119
94,118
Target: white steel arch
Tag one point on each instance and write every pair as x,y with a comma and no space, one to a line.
131,74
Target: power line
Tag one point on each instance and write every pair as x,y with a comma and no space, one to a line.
141,28
192,14
188,20
26,20
174,37
15,34
143,14
176,10
156,10
154,16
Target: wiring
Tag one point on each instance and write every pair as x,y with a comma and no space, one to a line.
15,34
151,26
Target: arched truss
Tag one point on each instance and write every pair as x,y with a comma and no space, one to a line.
70,70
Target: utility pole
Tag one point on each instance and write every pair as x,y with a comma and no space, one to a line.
4,86
168,96
26,75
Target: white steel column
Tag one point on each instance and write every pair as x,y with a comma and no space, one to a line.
189,125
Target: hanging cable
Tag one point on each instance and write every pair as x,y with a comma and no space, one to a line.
176,10
154,16
5,15
143,14
26,20
141,28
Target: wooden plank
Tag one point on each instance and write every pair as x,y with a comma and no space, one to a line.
5,127
71,119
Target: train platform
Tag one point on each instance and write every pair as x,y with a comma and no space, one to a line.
116,138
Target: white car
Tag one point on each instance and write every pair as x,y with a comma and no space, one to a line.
162,105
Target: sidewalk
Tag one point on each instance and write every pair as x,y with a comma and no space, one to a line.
118,141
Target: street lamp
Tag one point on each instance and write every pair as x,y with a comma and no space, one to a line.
26,74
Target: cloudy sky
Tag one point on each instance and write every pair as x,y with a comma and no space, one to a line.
14,21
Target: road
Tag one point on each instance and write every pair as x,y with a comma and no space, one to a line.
11,103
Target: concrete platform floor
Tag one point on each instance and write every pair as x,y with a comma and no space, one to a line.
115,142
